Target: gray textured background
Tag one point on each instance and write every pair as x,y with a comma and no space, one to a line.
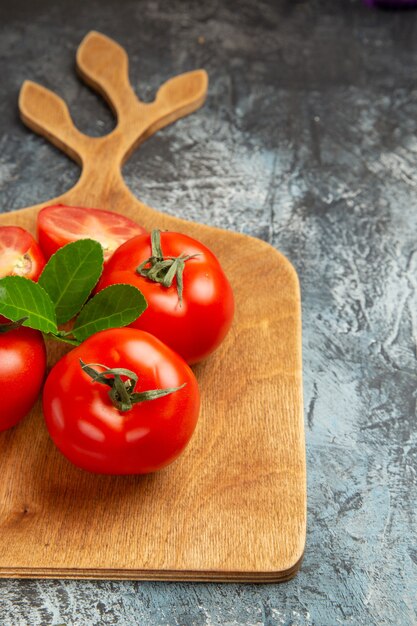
308,140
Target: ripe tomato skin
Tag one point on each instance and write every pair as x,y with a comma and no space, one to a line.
59,224
22,371
20,255
96,436
197,326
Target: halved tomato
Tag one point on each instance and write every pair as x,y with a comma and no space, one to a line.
20,255
60,224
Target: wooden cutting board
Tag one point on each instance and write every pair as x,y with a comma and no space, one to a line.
233,506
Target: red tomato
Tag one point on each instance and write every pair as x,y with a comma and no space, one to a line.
22,370
20,255
193,327
95,435
60,224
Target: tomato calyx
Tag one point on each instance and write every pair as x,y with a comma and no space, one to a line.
6,326
162,269
122,392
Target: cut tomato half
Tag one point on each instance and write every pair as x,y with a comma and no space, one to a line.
20,254
60,224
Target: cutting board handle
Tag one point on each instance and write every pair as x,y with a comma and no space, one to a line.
47,114
103,65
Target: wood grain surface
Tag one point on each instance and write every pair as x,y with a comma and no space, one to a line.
233,507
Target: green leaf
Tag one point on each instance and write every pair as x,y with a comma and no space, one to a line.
21,297
70,275
114,306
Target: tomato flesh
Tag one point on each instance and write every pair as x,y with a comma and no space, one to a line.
59,224
195,327
22,370
20,255
96,436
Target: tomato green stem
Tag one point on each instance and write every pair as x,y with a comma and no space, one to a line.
6,326
64,336
122,393
162,269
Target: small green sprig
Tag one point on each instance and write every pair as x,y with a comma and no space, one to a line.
62,292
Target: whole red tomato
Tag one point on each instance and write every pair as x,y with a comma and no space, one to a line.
20,255
59,224
22,370
192,313
98,427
